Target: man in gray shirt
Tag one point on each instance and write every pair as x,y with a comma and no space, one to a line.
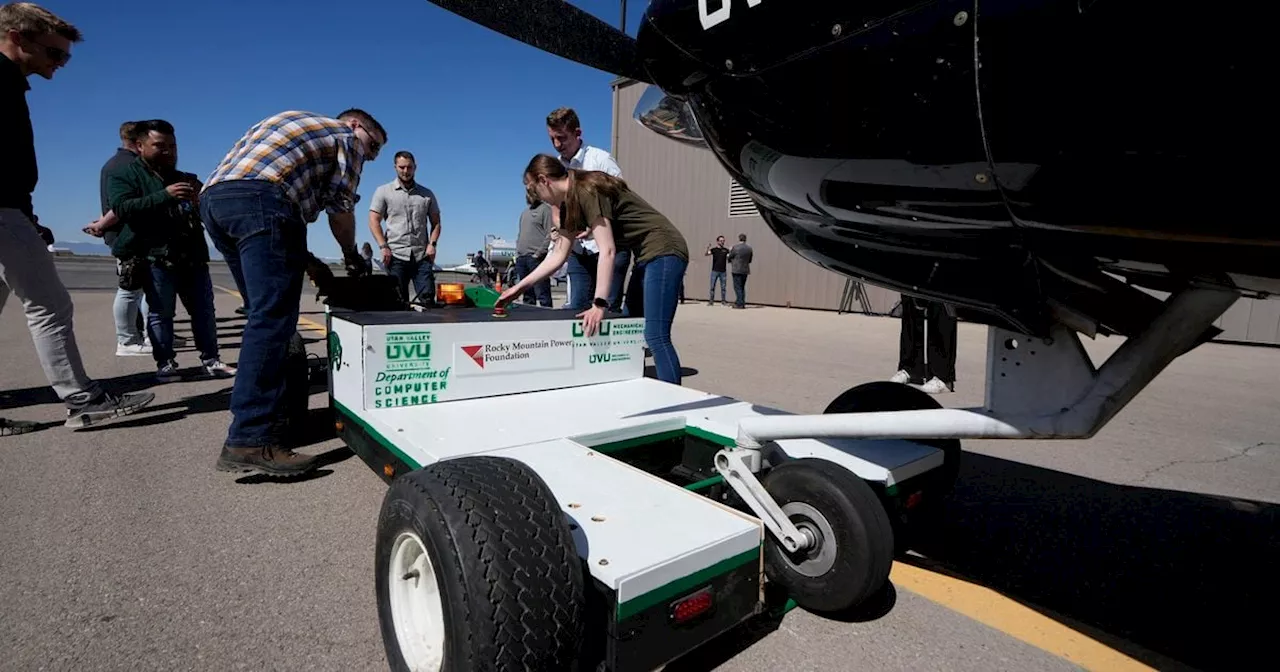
740,267
531,246
408,247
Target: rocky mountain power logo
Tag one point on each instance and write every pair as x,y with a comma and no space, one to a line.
525,355
476,353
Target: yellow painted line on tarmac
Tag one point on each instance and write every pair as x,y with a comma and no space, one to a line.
302,321
1012,618
982,604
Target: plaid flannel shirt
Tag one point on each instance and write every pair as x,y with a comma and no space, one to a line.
316,159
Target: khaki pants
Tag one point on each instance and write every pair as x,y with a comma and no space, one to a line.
27,271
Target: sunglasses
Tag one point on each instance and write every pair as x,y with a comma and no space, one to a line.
374,145
52,53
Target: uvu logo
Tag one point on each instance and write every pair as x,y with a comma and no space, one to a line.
408,350
599,357
411,346
579,332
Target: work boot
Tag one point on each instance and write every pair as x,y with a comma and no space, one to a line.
270,460
106,407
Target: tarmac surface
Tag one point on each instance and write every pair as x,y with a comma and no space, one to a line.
1153,545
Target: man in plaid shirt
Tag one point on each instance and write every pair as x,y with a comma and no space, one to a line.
256,206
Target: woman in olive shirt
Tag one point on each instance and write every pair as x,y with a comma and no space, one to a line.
600,206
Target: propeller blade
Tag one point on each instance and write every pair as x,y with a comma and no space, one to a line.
558,28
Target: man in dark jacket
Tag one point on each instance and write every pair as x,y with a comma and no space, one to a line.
161,244
129,308
33,40
740,256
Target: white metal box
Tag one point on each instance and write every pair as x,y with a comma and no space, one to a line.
405,359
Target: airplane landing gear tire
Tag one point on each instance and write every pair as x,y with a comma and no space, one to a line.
920,504
476,567
883,395
852,550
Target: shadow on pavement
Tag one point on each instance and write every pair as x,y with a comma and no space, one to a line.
1182,575
724,648
34,396
685,372
733,642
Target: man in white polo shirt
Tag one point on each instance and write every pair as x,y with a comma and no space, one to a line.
408,246
566,136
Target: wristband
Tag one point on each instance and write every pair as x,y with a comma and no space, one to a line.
600,303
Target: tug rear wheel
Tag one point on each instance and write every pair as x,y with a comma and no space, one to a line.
477,569
852,550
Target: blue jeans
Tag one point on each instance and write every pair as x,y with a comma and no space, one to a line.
711,295
582,279
125,309
422,272
581,270
193,286
739,290
653,294
540,292
261,235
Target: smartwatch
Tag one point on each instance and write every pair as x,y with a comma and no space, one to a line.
600,303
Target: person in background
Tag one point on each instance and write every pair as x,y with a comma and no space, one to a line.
34,40
366,253
603,207
482,266
130,304
161,236
933,365
412,215
256,206
719,256
531,246
565,132
740,264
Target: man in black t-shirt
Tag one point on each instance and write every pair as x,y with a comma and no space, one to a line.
719,258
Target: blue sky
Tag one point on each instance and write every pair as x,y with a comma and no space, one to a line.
469,103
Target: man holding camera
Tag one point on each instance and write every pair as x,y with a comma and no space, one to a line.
161,246
256,206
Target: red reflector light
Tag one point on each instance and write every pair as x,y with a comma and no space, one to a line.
693,606
914,500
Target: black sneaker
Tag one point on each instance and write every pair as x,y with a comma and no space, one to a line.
106,407
168,372
14,427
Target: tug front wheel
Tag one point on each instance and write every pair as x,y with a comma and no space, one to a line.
477,569
852,550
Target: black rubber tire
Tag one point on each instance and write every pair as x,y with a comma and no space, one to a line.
863,535
509,573
883,395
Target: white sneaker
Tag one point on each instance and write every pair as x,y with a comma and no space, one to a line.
901,377
935,386
218,369
133,350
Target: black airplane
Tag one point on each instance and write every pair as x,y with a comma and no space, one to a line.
1047,167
